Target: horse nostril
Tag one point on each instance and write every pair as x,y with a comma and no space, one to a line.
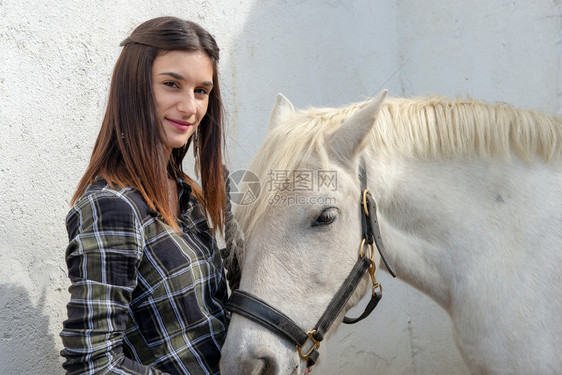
258,366
269,365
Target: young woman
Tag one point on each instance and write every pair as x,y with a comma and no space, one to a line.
148,287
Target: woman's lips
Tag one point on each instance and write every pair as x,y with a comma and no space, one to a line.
181,125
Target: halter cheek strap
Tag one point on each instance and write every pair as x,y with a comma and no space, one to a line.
369,221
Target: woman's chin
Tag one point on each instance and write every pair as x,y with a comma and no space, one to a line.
176,143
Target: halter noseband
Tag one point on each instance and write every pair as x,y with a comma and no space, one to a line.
307,343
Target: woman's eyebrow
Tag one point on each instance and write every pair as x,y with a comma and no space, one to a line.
180,77
173,75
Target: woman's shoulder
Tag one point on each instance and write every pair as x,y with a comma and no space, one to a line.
102,196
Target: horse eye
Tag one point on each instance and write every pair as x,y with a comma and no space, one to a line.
327,217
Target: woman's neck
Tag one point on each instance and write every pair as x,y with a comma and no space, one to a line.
173,196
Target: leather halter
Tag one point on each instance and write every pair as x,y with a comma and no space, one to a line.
307,343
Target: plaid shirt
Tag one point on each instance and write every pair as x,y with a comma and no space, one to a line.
144,299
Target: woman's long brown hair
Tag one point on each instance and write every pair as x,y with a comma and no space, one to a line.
129,151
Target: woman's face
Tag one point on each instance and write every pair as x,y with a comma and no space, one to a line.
182,82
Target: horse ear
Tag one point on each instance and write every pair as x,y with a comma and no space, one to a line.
281,108
348,140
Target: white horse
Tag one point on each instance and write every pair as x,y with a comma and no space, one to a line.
469,200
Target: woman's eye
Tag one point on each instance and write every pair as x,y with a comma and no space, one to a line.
327,217
171,84
202,91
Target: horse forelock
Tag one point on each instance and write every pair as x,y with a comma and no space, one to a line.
428,128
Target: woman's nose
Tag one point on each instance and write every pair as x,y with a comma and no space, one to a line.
188,105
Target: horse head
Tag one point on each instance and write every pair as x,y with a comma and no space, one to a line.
302,233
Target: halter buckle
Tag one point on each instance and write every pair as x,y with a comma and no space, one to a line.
315,345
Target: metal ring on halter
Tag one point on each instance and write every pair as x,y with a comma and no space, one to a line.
364,201
362,246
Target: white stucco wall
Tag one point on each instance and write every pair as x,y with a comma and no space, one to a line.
55,65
